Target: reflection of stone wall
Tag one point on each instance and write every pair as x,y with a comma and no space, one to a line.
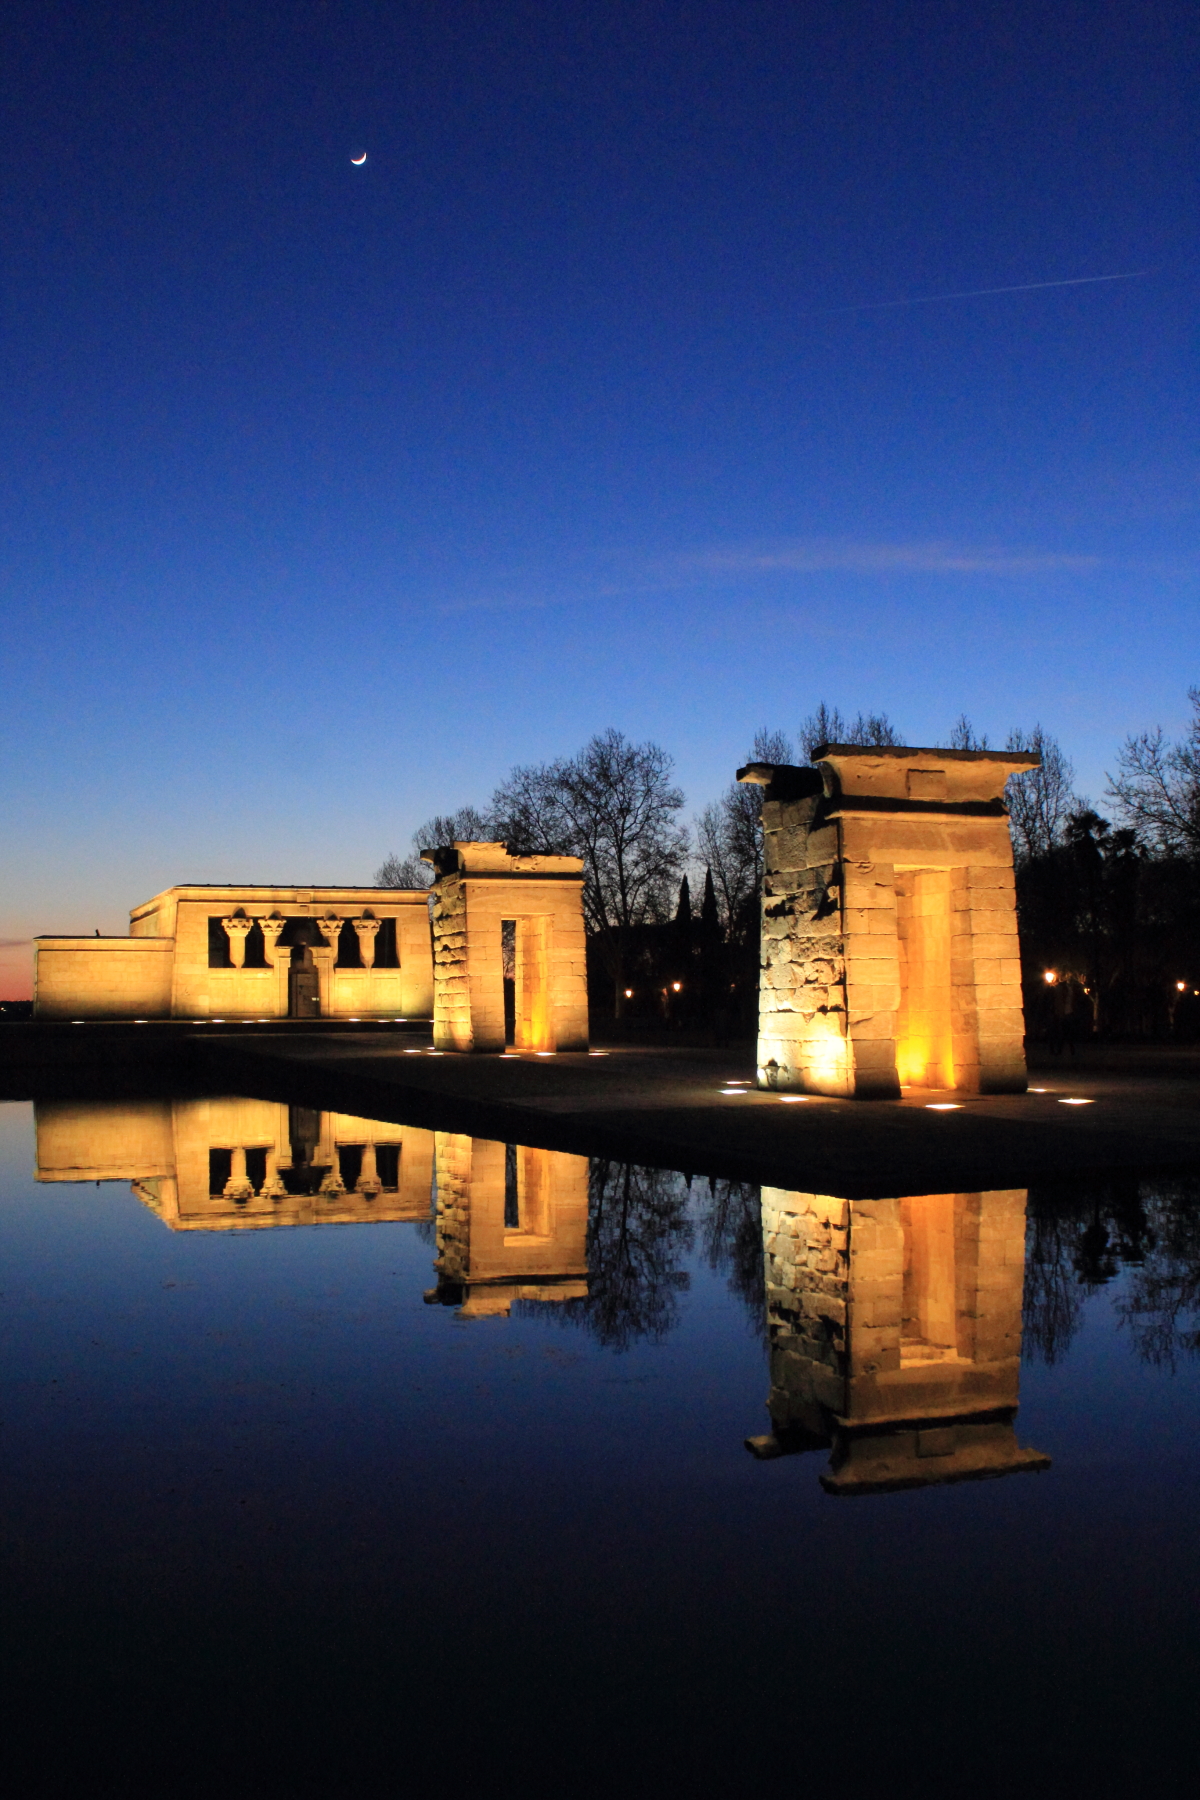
889,931
273,1168
805,1239
895,1335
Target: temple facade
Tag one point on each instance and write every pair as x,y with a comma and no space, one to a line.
889,924
252,953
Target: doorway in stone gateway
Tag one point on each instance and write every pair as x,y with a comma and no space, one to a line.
938,1270
533,1025
924,1041
303,991
508,962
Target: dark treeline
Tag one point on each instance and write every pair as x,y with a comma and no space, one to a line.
642,1223
1109,905
1077,1243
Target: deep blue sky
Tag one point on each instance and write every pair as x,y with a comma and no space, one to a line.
330,492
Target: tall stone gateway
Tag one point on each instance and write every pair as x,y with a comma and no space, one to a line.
509,953
889,925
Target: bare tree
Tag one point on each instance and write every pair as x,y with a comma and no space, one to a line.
828,726
963,736
467,824
729,832
615,806
1040,801
1157,787
403,872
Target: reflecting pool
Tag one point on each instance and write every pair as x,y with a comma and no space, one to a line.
341,1456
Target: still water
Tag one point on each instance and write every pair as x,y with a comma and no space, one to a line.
339,1456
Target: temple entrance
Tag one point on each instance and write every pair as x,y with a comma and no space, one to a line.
924,1040
304,998
528,993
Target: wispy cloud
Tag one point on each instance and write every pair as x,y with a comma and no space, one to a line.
887,559
1020,287
14,943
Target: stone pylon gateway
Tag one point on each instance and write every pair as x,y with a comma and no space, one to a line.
889,926
509,952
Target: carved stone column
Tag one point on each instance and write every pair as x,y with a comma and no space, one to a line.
368,930
330,928
368,1180
333,1185
271,927
237,929
278,959
239,1186
273,1187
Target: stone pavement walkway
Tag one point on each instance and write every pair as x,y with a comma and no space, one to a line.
695,1110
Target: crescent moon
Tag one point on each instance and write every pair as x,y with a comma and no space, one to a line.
359,160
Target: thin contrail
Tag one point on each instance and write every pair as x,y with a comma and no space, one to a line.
1022,287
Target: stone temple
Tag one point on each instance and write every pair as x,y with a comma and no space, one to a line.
199,952
889,924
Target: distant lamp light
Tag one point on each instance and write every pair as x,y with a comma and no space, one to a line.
1050,977
677,987
629,993
1182,986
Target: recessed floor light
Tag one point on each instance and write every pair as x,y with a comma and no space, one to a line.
791,1099
734,1092
943,1106
597,1052
1037,1090
1074,1101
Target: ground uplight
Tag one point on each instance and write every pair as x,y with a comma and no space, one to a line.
1074,1100
943,1106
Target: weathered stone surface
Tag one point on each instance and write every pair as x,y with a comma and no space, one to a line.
889,953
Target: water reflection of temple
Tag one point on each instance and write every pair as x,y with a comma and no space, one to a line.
895,1336
236,1164
512,1224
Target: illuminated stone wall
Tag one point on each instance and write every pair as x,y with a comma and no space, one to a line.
895,1335
889,927
164,968
478,888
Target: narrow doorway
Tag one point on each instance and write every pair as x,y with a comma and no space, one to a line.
304,1000
924,1029
532,1015
508,958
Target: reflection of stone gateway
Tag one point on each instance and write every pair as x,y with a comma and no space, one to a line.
512,1224
248,953
889,926
895,1336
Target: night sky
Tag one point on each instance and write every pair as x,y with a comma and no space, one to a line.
330,492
